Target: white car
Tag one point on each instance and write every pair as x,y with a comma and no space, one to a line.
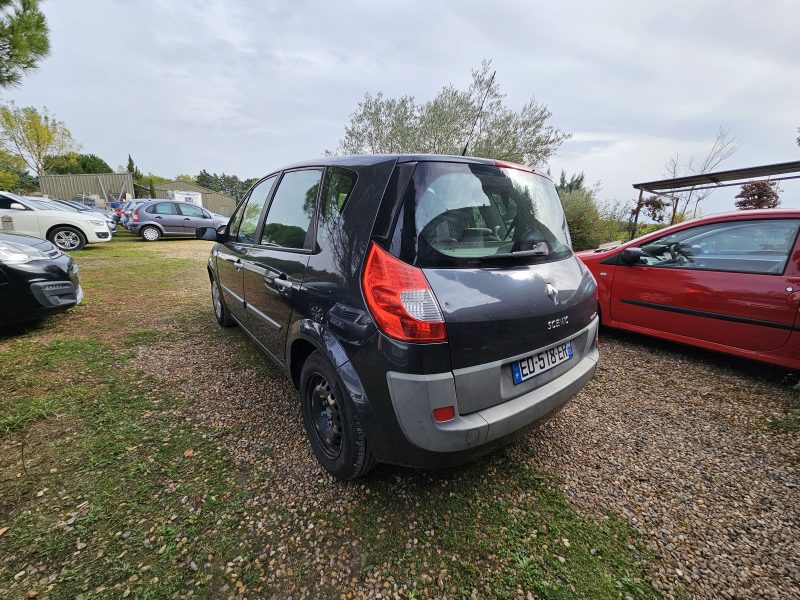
67,230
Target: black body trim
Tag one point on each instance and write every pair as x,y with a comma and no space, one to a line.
710,315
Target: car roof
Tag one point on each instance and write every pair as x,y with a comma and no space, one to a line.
365,160
169,200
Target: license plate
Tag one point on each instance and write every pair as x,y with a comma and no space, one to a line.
531,366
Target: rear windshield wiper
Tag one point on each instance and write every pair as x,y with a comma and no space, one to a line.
517,254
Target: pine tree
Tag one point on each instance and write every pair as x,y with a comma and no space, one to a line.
758,194
133,170
24,39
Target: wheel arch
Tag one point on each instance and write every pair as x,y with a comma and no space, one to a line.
150,224
305,337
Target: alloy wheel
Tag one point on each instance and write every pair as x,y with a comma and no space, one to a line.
67,240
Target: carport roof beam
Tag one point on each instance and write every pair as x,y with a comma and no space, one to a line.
715,180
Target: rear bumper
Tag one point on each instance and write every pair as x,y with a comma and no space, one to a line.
414,397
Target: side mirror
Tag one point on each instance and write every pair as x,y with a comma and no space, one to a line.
630,256
16,206
209,234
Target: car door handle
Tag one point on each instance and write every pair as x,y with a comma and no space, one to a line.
158,217
278,282
186,219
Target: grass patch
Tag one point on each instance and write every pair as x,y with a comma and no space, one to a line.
786,423
497,527
136,499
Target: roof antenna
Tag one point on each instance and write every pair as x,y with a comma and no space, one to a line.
478,116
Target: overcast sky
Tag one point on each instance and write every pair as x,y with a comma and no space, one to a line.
244,87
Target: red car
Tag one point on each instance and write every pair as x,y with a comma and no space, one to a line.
729,283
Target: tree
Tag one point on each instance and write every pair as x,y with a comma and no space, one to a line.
758,194
230,185
575,182
476,118
76,164
23,39
14,177
653,207
152,188
185,179
33,136
133,170
582,217
723,148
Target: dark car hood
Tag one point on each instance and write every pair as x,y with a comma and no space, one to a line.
27,240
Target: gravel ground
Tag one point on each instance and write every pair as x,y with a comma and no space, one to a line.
673,439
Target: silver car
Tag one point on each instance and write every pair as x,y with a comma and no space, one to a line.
164,218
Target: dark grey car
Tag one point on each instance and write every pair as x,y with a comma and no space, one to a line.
155,219
426,307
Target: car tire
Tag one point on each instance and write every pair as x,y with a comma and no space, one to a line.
221,312
332,425
150,233
67,238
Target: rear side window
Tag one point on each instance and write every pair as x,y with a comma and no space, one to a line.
162,208
336,190
190,210
288,222
458,215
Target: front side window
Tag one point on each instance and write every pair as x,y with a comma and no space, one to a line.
457,215
288,222
251,212
7,201
738,246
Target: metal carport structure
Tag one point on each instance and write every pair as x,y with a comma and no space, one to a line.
707,181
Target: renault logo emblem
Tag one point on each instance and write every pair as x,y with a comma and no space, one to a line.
552,293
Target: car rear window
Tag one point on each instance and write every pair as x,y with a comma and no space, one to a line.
461,214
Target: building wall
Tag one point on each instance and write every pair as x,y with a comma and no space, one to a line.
67,187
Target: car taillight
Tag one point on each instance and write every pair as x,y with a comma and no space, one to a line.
400,300
135,216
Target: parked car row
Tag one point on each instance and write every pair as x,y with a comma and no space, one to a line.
153,219
67,227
